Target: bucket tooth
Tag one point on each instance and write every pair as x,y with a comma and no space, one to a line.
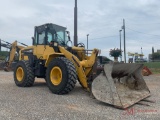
121,85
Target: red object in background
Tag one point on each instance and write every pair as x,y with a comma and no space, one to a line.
146,71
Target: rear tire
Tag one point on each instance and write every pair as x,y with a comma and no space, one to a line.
23,74
61,76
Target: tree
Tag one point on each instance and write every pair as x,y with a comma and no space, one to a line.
3,54
115,53
156,56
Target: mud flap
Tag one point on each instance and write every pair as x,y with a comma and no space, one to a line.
121,85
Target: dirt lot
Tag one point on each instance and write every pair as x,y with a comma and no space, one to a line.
38,103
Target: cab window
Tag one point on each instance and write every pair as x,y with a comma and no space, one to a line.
41,37
50,38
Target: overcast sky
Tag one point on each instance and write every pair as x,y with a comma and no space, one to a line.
101,19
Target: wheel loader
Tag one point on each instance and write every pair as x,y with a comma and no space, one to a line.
11,59
50,57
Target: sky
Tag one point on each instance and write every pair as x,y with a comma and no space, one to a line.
101,19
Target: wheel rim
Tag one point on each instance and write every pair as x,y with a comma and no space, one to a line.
56,75
20,74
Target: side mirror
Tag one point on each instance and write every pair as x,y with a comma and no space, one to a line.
33,41
68,34
69,42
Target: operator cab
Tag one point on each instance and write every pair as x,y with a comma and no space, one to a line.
47,33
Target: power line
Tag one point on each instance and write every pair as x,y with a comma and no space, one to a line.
104,37
142,42
143,23
99,29
128,20
142,32
148,38
101,37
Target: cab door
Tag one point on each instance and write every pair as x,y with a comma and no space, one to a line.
40,43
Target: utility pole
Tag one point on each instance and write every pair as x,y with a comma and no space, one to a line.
152,50
0,44
123,27
120,43
87,43
75,24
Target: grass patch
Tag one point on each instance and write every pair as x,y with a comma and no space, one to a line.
153,66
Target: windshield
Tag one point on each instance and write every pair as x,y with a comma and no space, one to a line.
57,33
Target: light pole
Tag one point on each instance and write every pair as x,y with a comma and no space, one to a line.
120,44
75,24
0,44
123,27
87,43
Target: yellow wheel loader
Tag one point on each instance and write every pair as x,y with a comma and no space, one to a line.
61,66
12,57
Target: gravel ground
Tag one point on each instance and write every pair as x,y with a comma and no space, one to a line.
38,103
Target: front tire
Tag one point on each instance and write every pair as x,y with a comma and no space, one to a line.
61,76
23,74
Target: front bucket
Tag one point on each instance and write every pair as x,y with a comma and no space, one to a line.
121,85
